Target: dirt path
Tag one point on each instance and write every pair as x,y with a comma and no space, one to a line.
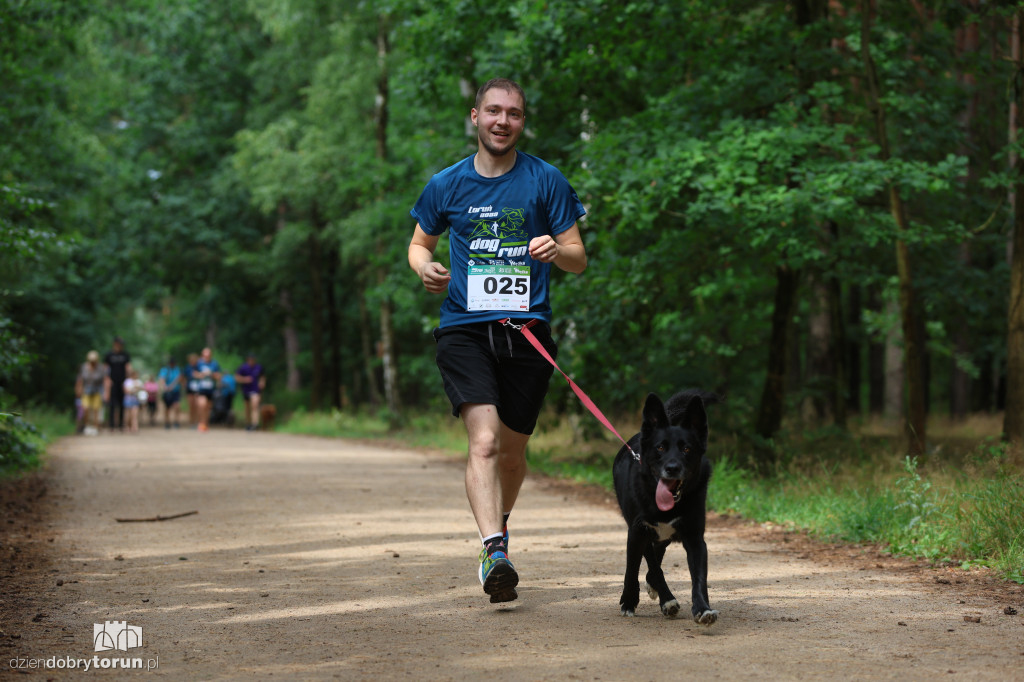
314,559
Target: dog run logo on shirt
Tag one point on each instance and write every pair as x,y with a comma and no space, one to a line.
498,236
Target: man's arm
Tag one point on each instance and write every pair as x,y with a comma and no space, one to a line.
565,250
434,276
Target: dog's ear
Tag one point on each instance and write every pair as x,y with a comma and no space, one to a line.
654,411
695,418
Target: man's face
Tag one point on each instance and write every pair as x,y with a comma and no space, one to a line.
207,354
499,120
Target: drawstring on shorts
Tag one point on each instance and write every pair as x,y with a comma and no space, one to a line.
490,338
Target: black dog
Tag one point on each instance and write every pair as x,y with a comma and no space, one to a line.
662,496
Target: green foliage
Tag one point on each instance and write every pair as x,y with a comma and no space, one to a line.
971,520
18,451
24,437
240,173
915,521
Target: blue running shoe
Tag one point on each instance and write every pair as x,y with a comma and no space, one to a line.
498,576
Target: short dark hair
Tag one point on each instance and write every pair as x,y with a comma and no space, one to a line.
506,84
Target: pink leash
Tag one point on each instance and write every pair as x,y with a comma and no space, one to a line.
584,398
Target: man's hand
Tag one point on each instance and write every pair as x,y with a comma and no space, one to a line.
544,249
435,277
564,250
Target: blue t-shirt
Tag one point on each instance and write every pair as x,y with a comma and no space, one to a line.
228,386
190,378
170,376
491,222
206,383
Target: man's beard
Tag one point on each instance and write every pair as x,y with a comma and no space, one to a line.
485,141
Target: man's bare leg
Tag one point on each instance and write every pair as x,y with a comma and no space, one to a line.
496,467
494,473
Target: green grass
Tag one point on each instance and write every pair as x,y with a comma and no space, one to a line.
941,513
417,431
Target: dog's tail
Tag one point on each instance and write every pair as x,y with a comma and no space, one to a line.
677,404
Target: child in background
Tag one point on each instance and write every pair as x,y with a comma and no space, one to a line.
152,389
132,386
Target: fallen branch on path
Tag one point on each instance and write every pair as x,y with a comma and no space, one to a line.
157,518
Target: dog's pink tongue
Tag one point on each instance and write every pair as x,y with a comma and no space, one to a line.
663,496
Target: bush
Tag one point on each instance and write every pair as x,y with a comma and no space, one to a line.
19,448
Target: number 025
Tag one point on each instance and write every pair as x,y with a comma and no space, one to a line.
508,285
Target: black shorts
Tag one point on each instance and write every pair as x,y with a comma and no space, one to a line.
492,364
171,397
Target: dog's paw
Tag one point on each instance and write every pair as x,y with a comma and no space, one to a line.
709,617
670,608
651,592
627,612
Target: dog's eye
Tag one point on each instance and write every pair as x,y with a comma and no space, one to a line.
661,447
686,449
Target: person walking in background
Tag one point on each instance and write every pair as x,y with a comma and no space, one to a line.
119,364
250,377
169,380
151,389
207,374
191,382
508,215
89,389
223,409
132,402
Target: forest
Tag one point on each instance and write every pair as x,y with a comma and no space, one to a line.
805,206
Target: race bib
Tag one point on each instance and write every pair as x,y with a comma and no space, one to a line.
498,287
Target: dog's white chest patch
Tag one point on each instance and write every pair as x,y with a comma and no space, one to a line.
665,531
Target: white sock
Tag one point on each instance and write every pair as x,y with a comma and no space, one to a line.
490,538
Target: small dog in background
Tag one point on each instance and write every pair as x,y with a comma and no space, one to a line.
267,415
663,499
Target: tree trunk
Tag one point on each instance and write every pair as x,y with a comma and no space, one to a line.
387,332
366,341
818,407
391,393
770,411
821,356
912,343
854,379
333,329
967,40
1013,421
211,334
876,362
316,326
837,349
895,376
293,381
